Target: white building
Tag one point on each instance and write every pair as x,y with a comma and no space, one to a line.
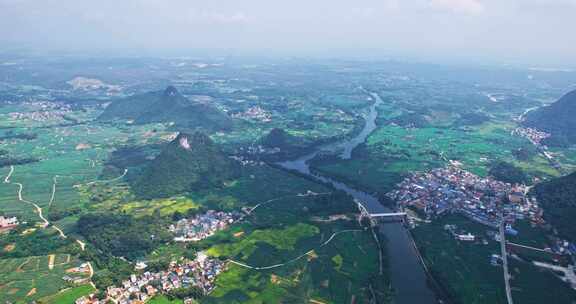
466,237
7,222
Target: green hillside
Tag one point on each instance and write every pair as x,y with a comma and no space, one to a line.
167,106
557,119
558,198
290,146
190,162
279,138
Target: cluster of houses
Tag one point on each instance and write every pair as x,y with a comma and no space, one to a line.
337,116
484,200
92,84
564,247
536,137
7,223
202,225
460,235
38,115
244,161
453,189
45,110
200,272
533,135
77,275
258,149
256,113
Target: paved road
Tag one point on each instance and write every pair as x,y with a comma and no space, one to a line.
38,209
41,215
53,191
109,180
505,262
284,197
7,178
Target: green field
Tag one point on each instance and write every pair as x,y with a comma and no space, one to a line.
30,278
68,296
464,271
330,274
393,151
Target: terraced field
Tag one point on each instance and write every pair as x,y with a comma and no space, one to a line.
32,278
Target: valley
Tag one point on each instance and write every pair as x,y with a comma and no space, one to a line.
235,183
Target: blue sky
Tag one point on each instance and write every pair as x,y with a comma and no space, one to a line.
533,31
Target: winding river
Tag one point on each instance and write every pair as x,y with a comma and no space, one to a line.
406,272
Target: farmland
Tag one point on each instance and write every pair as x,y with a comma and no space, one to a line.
85,190
32,278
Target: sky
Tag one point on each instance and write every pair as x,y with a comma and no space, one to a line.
532,31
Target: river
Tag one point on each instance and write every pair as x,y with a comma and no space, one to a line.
408,277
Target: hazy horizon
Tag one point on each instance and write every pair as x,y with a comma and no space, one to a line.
534,32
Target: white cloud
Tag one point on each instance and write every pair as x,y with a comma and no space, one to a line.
365,12
498,29
472,7
226,18
540,5
392,4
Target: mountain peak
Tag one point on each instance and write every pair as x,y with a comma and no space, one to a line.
569,99
278,137
171,91
188,163
184,143
167,105
557,119
186,140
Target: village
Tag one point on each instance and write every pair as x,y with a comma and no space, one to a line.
480,199
45,110
199,273
537,137
256,113
245,161
202,225
453,189
534,136
250,156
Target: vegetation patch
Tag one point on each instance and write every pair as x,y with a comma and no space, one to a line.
284,239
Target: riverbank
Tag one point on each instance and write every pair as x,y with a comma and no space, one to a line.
407,274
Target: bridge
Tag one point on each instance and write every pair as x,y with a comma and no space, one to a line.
390,214
374,216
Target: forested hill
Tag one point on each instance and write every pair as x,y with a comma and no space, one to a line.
279,138
167,106
558,199
189,162
290,146
559,119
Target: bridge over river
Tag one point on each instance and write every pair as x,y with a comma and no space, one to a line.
407,273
